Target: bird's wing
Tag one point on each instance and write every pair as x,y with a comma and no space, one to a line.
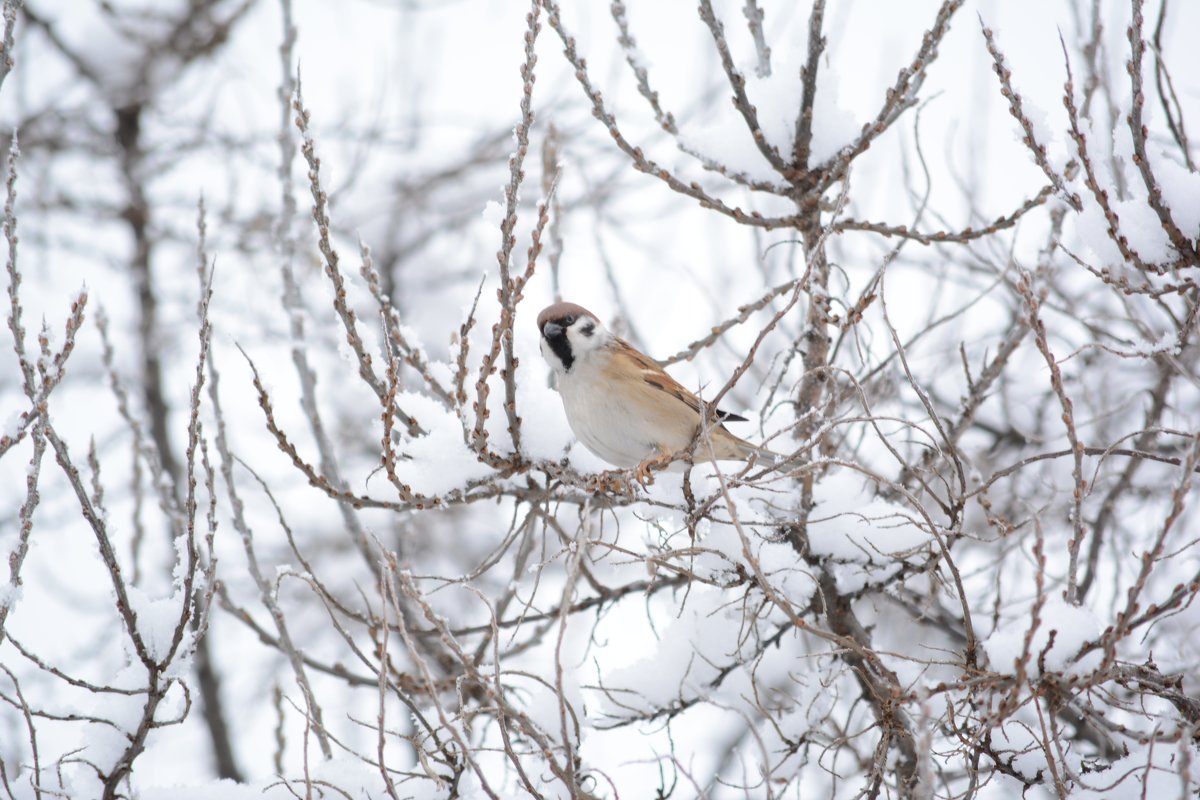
653,374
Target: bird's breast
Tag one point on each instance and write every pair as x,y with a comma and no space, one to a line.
607,425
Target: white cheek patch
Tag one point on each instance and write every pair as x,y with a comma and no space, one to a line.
581,343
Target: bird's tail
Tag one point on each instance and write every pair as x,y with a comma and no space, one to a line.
761,455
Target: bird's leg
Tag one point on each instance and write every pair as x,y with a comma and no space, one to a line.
658,462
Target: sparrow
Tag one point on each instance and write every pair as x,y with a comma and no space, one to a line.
621,404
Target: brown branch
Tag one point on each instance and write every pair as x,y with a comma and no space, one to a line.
639,159
10,11
737,82
802,147
1090,179
1166,92
665,119
509,292
963,236
754,21
320,215
1016,108
1038,326
1137,48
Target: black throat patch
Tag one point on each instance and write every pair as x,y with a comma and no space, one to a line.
562,349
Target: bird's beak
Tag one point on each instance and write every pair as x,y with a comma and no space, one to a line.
552,330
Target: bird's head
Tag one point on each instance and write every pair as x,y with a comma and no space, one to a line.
569,333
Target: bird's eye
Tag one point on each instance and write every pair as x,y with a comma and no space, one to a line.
568,320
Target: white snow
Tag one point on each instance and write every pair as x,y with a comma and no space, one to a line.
1141,226
585,460
104,744
1092,228
439,461
726,140
212,790
10,595
12,425
157,619
849,524
686,659
1181,190
545,433
493,214
1156,772
838,126
1166,342
1072,626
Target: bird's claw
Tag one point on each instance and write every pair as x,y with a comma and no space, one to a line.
643,470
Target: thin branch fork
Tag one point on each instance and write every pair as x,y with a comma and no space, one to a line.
802,147
509,293
1090,178
156,688
900,97
1166,92
409,352
1016,108
240,524
1137,47
320,215
292,302
665,119
738,83
640,161
1038,326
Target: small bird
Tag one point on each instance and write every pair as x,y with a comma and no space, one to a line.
620,402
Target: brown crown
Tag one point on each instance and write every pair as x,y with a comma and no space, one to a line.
559,310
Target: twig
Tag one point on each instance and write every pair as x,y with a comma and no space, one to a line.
266,594
963,236
509,292
665,119
754,20
738,83
802,147
744,312
10,11
1038,326
1166,92
1016,108
1137,48
320,215
1090,179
